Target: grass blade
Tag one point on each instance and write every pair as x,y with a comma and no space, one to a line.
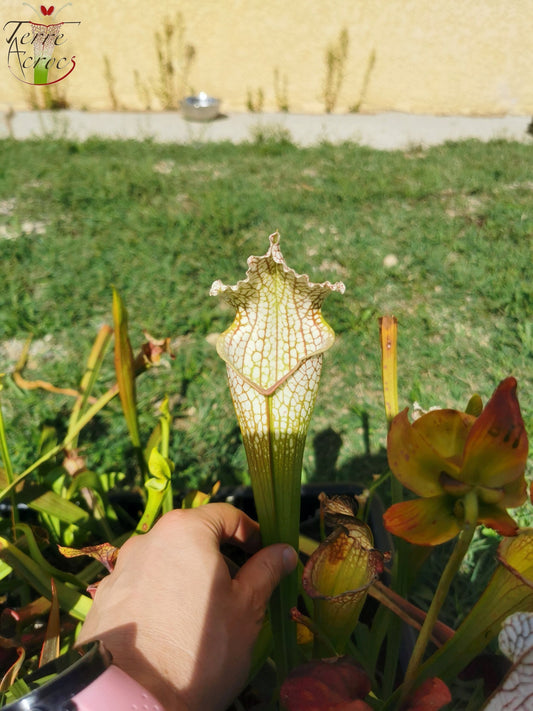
90,376
125,371
51,645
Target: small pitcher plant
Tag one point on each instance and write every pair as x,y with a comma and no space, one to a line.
338,575
273,352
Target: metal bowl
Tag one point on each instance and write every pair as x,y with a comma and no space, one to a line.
200,108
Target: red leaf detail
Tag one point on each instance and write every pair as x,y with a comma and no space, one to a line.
47,12
432,695
326,685
495,452
104,553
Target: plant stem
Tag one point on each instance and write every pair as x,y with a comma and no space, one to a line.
275,469
8,467
394,626
280,522
40,73
165,419
284,637
409,613
470,505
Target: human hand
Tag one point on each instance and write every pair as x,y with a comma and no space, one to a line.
173,617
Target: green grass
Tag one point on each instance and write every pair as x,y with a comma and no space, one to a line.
161,222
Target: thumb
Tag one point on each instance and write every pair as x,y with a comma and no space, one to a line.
264,570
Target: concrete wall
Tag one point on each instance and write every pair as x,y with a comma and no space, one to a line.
470,57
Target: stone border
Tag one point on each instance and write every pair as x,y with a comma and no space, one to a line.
386,131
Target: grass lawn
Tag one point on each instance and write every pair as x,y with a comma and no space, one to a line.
441,238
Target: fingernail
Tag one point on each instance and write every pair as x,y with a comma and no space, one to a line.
290,559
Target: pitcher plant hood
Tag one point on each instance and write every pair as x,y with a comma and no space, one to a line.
278,324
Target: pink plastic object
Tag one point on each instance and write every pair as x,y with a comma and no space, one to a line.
114,690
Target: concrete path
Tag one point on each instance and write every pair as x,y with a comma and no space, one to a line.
384,131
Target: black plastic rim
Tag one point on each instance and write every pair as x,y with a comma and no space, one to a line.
75,670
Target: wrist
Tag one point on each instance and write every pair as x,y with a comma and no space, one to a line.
147,669
85,680
116,691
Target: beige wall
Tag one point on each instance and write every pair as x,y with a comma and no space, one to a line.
422,56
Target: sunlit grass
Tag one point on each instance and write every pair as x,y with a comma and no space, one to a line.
441,238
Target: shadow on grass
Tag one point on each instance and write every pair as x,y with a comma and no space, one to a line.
327,445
